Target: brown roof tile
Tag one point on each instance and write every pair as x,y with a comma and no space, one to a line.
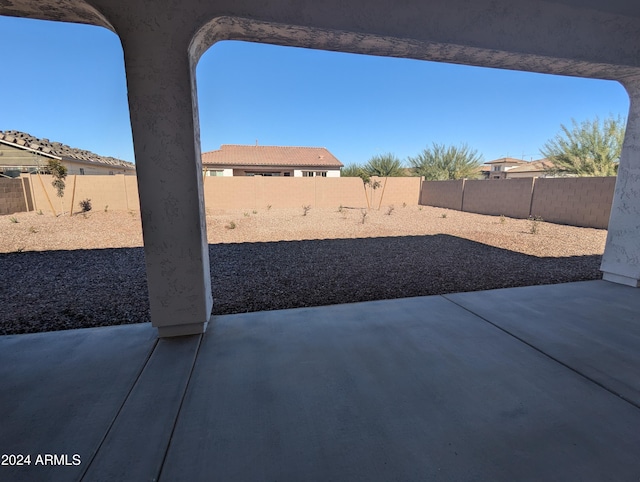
61,151
239,155
535,166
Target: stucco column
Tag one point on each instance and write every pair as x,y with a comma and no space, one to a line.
621,260
164,122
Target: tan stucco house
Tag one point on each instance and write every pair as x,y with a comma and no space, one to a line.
247,160
498,168
22,153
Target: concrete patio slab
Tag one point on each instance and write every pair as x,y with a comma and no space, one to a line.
592,327
61,391
406,389
145,423
410,389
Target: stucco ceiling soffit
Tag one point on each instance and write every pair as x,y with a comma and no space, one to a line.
74,11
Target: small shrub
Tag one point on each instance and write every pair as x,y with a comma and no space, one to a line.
390,210
246,215
534,224
39,213
85,205
502,219
13,220
305,209
443,215
32,230
341,209
363,215
268,207
254,211
419,208
106,208
404,205
231,225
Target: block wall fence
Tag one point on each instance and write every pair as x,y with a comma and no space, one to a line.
120,193
577,201
584,201
14,195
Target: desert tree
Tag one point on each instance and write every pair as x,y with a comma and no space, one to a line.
385,165
440,162
59,173
355,170
588,148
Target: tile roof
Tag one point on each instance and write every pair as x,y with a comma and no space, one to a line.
507,160
239,155
57,149
535,166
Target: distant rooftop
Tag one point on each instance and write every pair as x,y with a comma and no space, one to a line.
535,166
507,160
242,155
57,149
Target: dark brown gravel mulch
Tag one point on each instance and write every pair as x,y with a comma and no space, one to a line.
57,290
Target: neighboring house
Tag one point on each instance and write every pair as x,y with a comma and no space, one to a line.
537,168
238,160
21,153
500,167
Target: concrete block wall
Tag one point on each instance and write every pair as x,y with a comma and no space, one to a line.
118,192
396,191
12,198
282,192
509,197
442,194
578,201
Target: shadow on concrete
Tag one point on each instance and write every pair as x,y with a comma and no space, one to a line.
56,290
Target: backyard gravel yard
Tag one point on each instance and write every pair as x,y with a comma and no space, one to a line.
88,270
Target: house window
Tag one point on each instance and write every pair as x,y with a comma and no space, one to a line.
496,168
82,171
314,173
214,172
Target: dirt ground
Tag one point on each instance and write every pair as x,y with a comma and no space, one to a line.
98,229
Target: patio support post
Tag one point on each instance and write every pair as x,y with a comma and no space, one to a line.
164,121
621,260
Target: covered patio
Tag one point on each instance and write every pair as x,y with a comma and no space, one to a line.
535,383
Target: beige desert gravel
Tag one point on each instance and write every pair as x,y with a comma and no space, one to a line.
88,270
118,229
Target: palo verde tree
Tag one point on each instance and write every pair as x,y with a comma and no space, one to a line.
385,165
440,162
59,173
589,148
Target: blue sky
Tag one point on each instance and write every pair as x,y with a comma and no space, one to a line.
67,83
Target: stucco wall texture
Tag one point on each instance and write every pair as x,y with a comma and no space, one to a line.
583,201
